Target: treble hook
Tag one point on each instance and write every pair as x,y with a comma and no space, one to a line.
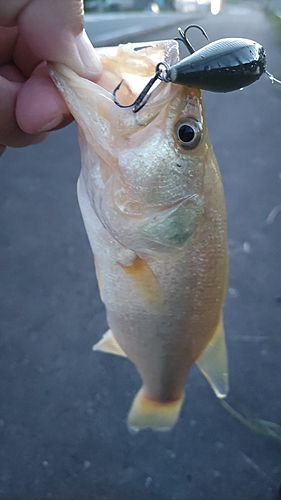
143,97
183,38
160,73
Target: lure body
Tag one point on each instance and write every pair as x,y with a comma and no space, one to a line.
152,201
221,66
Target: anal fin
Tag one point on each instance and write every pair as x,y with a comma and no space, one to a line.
108,343
213,362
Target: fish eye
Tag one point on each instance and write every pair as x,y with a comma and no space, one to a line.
188,133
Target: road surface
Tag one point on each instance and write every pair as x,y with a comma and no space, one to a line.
63,407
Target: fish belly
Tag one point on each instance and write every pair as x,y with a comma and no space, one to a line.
162,337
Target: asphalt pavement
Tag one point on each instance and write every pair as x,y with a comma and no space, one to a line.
63,407
111,29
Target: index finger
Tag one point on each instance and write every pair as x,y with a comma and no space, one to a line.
54,31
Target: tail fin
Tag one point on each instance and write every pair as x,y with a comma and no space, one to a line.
159,416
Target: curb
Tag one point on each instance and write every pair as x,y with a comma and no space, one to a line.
130,33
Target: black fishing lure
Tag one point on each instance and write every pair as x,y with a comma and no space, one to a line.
220,66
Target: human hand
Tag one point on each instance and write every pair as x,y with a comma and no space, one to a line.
33,32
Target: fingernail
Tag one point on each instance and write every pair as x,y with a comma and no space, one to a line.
88,54
52,124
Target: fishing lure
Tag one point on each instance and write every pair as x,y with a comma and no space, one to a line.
221,66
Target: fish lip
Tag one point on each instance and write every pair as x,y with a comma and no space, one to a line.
102,89
169,50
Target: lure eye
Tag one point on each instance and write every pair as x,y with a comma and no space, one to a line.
188,133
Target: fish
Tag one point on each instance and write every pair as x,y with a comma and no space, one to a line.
152,202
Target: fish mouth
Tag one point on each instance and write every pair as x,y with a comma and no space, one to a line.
92,103
128,68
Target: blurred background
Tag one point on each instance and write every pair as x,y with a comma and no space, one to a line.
148,5
92,6
63,407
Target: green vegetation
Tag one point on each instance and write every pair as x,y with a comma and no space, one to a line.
276,22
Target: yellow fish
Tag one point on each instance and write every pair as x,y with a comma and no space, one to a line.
152,201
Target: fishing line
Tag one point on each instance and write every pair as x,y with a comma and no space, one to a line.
272,78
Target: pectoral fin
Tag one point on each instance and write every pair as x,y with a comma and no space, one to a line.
108,343
146,284
213,363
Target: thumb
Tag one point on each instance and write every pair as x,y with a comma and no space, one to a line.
54,32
